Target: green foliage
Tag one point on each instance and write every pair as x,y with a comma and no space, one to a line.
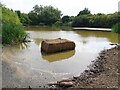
58,23
84,12
81,21
116,28
12,29
45,15
34,20
12,33
24,19
50,15
65,19
18,13
9,16
98,21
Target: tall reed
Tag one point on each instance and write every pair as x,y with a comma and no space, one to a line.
12,33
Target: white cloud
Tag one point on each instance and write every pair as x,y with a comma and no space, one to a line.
68,7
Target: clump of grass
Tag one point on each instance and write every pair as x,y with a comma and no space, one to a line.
116,28
12,33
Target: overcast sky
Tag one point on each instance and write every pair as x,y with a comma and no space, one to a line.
68,7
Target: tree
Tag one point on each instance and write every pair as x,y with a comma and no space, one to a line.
65,19
36,9
24,19
9,16
84,12
46,15
34,20
18,13
81,21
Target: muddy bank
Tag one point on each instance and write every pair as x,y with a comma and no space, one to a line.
102,73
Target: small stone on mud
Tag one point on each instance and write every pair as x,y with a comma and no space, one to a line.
66,84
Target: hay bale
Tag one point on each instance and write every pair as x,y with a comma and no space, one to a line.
57,45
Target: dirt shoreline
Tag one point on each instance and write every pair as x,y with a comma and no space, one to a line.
102,73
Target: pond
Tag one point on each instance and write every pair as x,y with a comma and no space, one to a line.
24,65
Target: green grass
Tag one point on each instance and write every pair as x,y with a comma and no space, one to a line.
12,33
116,28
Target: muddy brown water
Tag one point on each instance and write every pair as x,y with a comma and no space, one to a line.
24,65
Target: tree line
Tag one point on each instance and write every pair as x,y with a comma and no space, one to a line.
86,19
40,15
48,15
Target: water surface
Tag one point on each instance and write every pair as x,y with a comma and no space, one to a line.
24,65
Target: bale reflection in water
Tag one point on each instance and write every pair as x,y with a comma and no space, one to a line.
58,56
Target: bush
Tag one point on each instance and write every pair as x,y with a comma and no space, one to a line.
12,33
81,21
12,29
9,16
116,28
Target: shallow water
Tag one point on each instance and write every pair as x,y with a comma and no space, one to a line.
24,65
